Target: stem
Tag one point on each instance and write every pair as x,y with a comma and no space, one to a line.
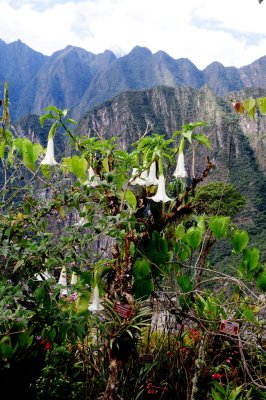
198,363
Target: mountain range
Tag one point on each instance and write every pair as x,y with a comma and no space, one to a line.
142,91
79,80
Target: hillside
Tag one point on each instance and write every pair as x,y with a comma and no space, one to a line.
238,147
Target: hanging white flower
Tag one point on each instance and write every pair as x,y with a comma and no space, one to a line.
93,179
63,281
161,193
43,276
180,171
63,277
96,302
139,180
49,158
152,179
74,279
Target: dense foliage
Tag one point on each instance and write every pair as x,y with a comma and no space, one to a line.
106,290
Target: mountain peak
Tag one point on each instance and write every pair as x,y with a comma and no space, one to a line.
140,52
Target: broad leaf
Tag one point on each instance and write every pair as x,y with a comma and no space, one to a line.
219,226
239,240
194,237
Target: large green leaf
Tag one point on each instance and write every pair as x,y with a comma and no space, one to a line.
79,166
184,283
202,139
131,199
251,258
261,281
141,269
219,226
142,288
194,237
239,240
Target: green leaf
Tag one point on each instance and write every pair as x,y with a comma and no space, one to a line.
249,104
83,302
239,240
188,135
251,258
194,237
79,166
55,109
141,269
76,198
29,151
131,199
184,283
44,117
6,347
202,139
219,387
17,265
261,103
2,149
249,315
235,392
216,395
201,223
71,121
180,231
27,208
40,294
25,340
219,226
105,164
142,288
53,130
261,281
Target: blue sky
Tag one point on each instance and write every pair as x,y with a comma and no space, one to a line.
232,32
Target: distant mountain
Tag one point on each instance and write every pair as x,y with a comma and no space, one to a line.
77,79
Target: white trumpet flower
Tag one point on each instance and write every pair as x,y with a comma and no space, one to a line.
93,179
43,276
49,158
139,180
74,279
152,179
180,171
96,302
63,281
161,194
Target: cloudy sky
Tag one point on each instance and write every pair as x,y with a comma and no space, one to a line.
232,32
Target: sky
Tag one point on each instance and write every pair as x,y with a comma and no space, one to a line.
232,32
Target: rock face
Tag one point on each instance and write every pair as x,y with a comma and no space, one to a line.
77,79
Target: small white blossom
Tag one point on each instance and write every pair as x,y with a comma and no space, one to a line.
180,171
161,194
49,158
96,302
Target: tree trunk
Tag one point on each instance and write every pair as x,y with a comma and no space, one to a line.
113,379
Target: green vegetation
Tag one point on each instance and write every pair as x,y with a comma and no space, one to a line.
106,290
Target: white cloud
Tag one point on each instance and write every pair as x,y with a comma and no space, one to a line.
232,32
